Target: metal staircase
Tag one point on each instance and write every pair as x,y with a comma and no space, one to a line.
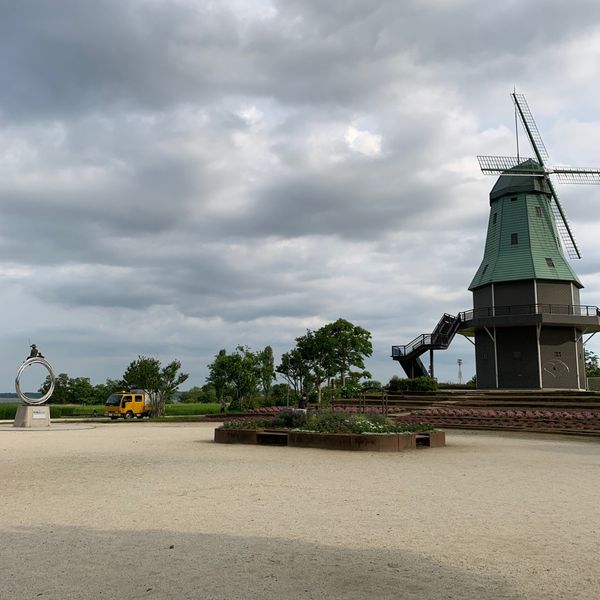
409,356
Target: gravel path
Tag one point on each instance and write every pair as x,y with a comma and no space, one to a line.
141,510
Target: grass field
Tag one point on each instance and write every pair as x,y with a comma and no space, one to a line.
208,408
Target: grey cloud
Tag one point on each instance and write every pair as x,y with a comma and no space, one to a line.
176,180
91,57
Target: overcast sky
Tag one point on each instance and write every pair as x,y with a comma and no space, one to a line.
182,176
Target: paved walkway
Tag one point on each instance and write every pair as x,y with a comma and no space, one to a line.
145,510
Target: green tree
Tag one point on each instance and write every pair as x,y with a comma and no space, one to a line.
81,391
266,367
237,374
206,393
294,371
160,382
191,396
245,375
218,374
371,385
350,344
333,350
103,390
281,394
317,354
592,368
61,394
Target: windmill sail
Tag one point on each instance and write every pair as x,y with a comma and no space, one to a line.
527,167
498,165
562,225
585,176
530,127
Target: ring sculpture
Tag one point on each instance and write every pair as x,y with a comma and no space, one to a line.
26,364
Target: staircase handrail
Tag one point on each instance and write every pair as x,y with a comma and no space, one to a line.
441,340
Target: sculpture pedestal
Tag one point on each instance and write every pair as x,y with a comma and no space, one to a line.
34,417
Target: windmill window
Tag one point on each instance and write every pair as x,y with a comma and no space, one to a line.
550,263
557,354
514,239
484,270
513,199
538,211
495,218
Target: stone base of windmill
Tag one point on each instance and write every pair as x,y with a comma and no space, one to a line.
32,417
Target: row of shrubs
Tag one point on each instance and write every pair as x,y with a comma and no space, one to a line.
57,411
8,411
330,422
416,384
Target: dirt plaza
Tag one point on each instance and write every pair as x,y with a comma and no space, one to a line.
147,510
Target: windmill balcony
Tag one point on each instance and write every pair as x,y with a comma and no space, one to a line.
560,315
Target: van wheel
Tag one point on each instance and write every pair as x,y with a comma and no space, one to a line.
140,416
129,415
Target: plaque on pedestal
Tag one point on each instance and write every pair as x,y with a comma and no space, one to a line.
32,416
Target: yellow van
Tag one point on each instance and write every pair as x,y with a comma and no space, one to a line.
128,405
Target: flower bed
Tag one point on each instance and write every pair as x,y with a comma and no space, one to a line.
390,442
332,431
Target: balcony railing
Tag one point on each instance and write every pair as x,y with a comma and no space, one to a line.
442,340
530,309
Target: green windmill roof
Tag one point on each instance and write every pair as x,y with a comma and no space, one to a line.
522,240
515,184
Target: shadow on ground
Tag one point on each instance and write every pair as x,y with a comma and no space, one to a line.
61,563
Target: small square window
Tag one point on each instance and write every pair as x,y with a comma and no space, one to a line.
514,239
550,263
513,199
557,354
538,211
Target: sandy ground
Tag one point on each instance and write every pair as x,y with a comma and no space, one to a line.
140,510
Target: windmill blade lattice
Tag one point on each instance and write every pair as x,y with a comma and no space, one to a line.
562,225
529,167
585,176
498,165
530,127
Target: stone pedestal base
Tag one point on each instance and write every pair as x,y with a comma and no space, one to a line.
32,417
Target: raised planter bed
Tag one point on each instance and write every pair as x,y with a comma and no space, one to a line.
235,436
393,442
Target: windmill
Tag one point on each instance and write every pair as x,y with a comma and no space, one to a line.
527,319
517,166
